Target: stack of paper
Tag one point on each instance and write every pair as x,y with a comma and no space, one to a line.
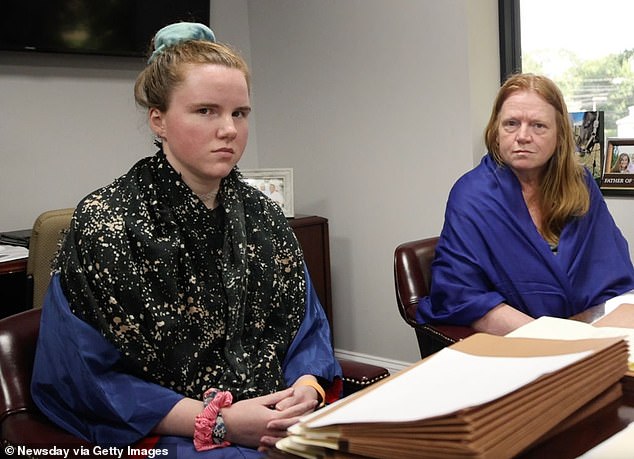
12,252
623,318
484,397
619,322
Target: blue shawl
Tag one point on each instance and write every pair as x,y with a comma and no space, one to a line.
490,252
78,383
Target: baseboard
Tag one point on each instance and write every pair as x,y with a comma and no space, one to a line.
393,366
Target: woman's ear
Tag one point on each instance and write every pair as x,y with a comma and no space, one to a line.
156,122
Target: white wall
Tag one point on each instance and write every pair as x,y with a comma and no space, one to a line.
377,105
374,104
69,124
622,209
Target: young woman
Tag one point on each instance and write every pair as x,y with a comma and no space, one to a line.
181,311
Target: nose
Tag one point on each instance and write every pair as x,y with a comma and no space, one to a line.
523,133
227,129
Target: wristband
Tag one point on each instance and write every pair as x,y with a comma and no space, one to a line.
210,430
315,385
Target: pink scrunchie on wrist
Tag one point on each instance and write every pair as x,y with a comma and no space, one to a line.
206,421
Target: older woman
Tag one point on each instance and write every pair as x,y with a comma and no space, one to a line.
527,232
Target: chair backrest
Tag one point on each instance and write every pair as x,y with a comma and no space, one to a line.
412,280
18,337
48,231
412,274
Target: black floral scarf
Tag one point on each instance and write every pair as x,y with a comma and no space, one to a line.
191,297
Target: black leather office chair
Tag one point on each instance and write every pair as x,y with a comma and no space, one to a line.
412,280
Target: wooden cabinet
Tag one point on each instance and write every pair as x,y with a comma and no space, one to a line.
312,234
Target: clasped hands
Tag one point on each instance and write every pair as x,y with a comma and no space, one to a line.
261,421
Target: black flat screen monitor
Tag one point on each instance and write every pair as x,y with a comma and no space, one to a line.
102,27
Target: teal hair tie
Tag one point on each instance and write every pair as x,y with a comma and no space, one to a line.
179,32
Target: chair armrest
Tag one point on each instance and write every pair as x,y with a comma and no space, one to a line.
21,423
451,333
33,429
432,338
357,376
18,335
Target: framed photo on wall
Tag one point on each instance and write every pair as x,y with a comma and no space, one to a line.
618,167
589,140
277,184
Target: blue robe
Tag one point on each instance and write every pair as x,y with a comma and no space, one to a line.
77,384
490,252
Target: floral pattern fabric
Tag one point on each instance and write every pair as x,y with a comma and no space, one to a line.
191,297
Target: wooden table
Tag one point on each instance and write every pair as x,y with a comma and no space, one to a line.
586,434
13,266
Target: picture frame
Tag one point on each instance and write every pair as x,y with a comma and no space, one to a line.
588,128
618,167
277,184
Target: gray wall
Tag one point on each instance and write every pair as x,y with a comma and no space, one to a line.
377,105
373,105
